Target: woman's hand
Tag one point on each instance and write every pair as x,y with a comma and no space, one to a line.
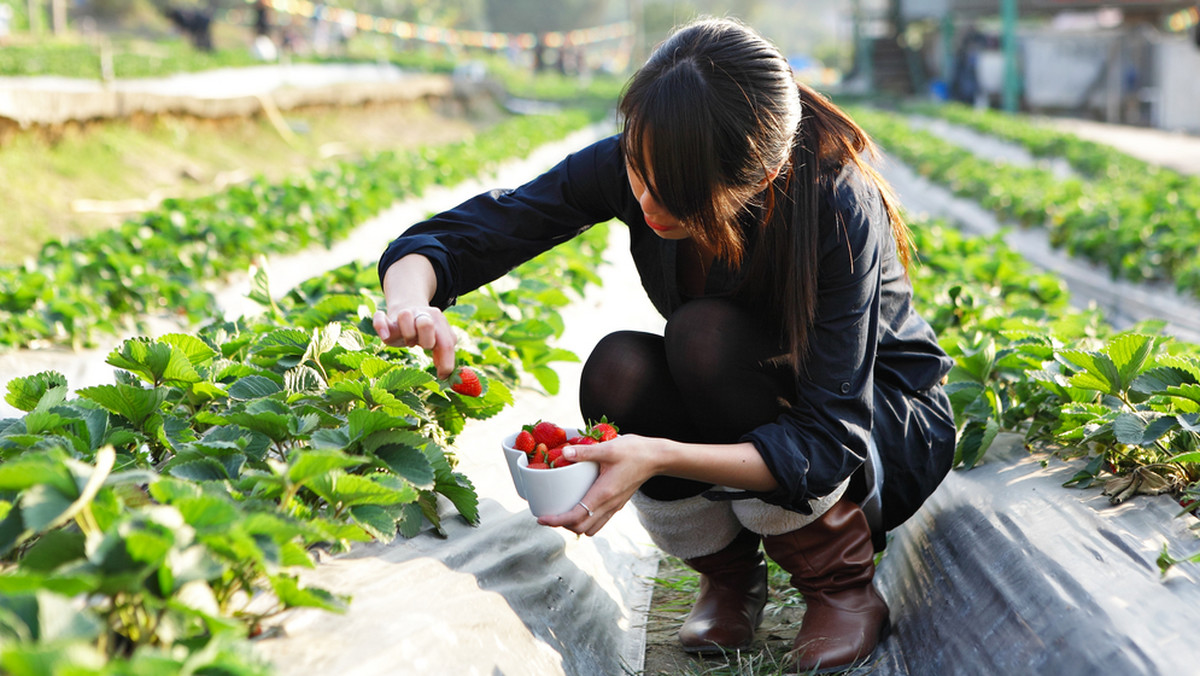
410,321
420,326
629,460
625,464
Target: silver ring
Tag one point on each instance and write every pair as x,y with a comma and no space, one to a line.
585,507
418,315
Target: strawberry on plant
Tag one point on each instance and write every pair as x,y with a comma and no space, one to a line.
524,442
466,382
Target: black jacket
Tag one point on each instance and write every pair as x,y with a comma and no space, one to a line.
875,365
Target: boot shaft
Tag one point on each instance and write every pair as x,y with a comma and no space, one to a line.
830,554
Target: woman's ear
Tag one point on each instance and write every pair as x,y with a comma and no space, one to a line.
772,174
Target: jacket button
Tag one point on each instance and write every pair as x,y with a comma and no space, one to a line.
845,388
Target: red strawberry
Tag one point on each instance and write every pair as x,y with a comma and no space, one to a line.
553,455
538,465
603,430
524,441
538,454
582,441
561,462
548,433
466,382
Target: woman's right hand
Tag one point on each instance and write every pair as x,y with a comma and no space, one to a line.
409,320
421,326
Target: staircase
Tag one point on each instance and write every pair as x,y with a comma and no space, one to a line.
890,68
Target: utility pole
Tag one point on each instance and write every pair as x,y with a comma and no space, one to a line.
34,8
58,12
1012,79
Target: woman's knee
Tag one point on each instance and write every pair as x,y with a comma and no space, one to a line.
621,366
701,335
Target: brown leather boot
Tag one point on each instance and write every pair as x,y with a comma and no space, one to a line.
733,591
832,564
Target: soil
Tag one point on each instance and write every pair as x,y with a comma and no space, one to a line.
674,593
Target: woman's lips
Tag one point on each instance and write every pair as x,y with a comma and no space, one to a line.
655,226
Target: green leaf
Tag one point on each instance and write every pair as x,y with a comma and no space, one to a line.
378,520
330,438
29,471
43,505
403,379
1189,393
132,403
363,422
207,512
547,378
292,554
282,343
974,441
197,351
302,379
1190,457
464,498
531,330
1099,372
1129,352
407,462
1157,380
411,519
267,417
1129,428
27,393
291,595
253,387
156,362
53,550
306,465
347,490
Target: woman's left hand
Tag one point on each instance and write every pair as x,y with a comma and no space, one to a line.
625,464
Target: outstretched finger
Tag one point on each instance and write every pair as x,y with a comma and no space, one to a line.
445,341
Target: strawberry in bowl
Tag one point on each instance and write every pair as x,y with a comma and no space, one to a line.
549,482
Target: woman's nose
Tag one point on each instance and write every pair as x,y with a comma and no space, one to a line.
647,201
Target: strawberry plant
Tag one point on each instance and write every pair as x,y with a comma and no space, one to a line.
178,501
165,260
1125,405
1141,222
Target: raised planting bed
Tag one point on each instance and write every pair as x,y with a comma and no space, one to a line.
1005,571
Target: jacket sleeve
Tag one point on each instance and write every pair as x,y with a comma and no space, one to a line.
822,439
488,235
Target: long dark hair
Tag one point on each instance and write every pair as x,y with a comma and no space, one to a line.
713,115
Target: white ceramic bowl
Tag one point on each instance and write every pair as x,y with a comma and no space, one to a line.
549,491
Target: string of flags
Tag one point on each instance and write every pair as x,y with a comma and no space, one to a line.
448,36
1183,19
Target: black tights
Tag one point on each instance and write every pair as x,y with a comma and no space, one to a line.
716,374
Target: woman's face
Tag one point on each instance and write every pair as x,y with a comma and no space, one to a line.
657,217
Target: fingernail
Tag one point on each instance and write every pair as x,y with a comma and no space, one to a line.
569,452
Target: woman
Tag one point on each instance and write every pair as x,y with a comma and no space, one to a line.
793,376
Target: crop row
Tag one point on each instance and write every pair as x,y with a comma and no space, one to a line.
1140,222
128,59
164,261
1124,404
152,525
